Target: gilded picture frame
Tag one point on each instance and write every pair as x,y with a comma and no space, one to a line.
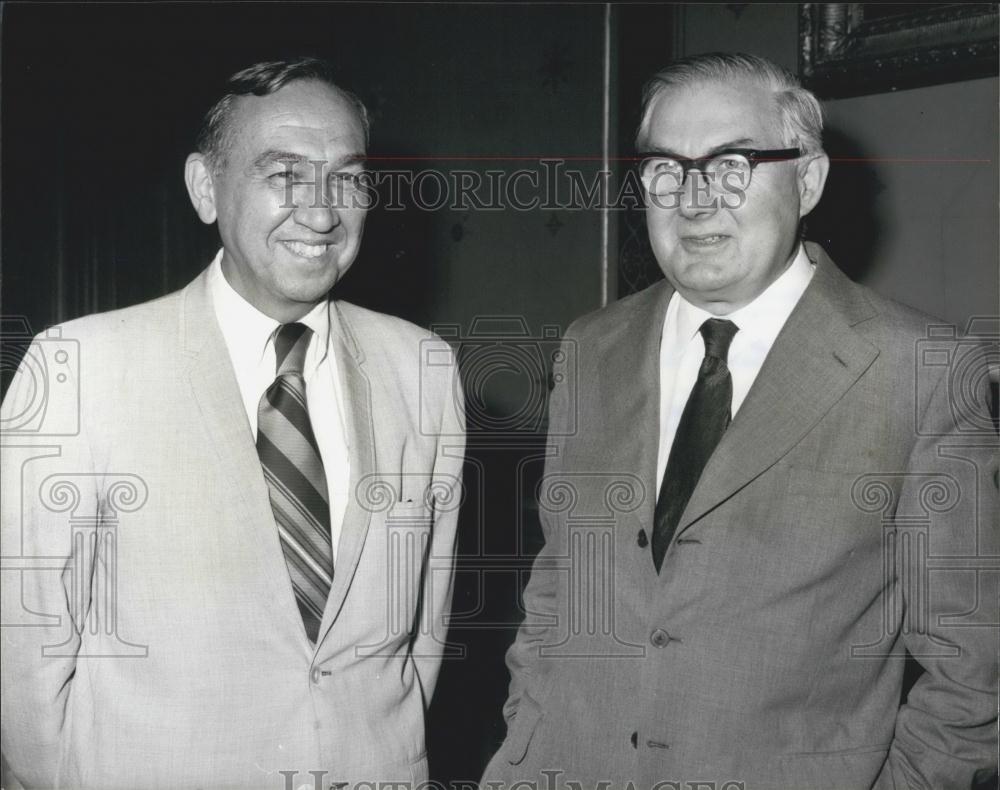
853,49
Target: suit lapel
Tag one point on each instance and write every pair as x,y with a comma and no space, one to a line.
219,402
220,405
626,439
360,434
815,359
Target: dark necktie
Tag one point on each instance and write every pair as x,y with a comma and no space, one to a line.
295,478
705,418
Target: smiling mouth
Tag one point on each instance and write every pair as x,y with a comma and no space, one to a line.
705,240
305,249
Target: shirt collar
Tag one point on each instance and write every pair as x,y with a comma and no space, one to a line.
249,332
768,311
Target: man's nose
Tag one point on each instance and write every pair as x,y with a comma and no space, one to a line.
320,213
697,198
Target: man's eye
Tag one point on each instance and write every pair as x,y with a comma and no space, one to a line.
283,175
665,166
725,163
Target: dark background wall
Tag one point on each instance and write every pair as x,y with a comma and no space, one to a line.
100,104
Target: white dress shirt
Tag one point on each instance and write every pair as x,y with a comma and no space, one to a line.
249,336
682,347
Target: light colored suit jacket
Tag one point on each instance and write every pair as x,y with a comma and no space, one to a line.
849,511
150,634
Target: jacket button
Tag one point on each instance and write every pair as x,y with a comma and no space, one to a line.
659,638
635,740
642,540
314,675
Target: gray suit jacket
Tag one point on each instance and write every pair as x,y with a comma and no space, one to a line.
150,635
849,511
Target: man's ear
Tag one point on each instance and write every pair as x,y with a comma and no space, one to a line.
812,178
201,190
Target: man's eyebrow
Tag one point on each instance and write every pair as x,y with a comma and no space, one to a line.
273,156
349,159
742,142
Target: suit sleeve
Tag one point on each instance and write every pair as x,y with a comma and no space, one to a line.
541,595
946,733
439,572
47,478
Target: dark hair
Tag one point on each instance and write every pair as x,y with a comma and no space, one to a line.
799,111
262,79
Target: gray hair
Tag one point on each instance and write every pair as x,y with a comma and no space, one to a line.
799,110
262,79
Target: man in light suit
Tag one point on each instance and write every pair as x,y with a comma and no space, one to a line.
228,536
738,532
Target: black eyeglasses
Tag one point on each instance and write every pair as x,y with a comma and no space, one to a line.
730,169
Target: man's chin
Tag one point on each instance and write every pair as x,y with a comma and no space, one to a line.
305,290
310,280
711,290
309,296
703,275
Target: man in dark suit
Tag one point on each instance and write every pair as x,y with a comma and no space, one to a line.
737,532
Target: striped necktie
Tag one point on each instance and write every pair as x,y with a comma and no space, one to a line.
295,478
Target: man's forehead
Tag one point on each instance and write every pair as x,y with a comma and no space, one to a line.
303,137
307,113
706,114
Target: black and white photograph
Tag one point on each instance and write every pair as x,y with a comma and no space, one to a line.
499,396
